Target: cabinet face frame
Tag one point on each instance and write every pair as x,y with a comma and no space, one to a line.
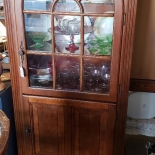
114,58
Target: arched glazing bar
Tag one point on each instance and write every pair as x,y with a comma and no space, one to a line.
69,6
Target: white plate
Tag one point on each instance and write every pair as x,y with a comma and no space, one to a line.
103,26
77,37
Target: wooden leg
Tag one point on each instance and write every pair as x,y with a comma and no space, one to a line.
2,85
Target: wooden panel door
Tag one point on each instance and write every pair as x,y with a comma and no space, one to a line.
92,70
49,128
65,127
93,132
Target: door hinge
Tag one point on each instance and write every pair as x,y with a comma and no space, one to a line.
124,18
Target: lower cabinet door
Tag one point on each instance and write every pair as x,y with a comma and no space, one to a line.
93,132
65,127
50,130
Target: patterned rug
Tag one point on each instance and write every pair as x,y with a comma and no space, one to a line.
140,127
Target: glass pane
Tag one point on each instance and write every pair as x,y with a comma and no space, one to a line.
68,73
37,32
96,75
37,4
66,6
98,6
67,34
100,40
40,71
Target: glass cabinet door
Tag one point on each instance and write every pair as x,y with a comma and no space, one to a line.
71,47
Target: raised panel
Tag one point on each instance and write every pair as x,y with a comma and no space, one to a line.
50,127
91,132
48,123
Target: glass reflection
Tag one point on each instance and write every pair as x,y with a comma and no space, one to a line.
98,6
37,4
100,39
66,6
37,32
68,73
40,71
96,76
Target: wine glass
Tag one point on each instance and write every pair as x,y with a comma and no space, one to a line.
64,77
96,73
106,77
104,67
75,72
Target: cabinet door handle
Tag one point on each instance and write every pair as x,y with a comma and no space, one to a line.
21,54
27,130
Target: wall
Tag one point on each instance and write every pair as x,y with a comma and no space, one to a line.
143,62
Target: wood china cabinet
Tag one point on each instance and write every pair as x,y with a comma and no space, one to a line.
70,68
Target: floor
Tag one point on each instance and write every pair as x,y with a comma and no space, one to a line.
135,144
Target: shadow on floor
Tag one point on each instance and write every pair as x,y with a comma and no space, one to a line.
135,144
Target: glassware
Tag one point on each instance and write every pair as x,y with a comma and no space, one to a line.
69,68
101,39
64,77
106,77
96,73
72,47
104,67
36,30
38,38
40,71
66,6
72,27
75,72
88,82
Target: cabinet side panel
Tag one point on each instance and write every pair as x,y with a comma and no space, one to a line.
124,76
15,81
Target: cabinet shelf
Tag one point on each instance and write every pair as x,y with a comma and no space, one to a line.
105,57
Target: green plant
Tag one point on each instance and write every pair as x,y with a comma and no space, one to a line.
101,45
